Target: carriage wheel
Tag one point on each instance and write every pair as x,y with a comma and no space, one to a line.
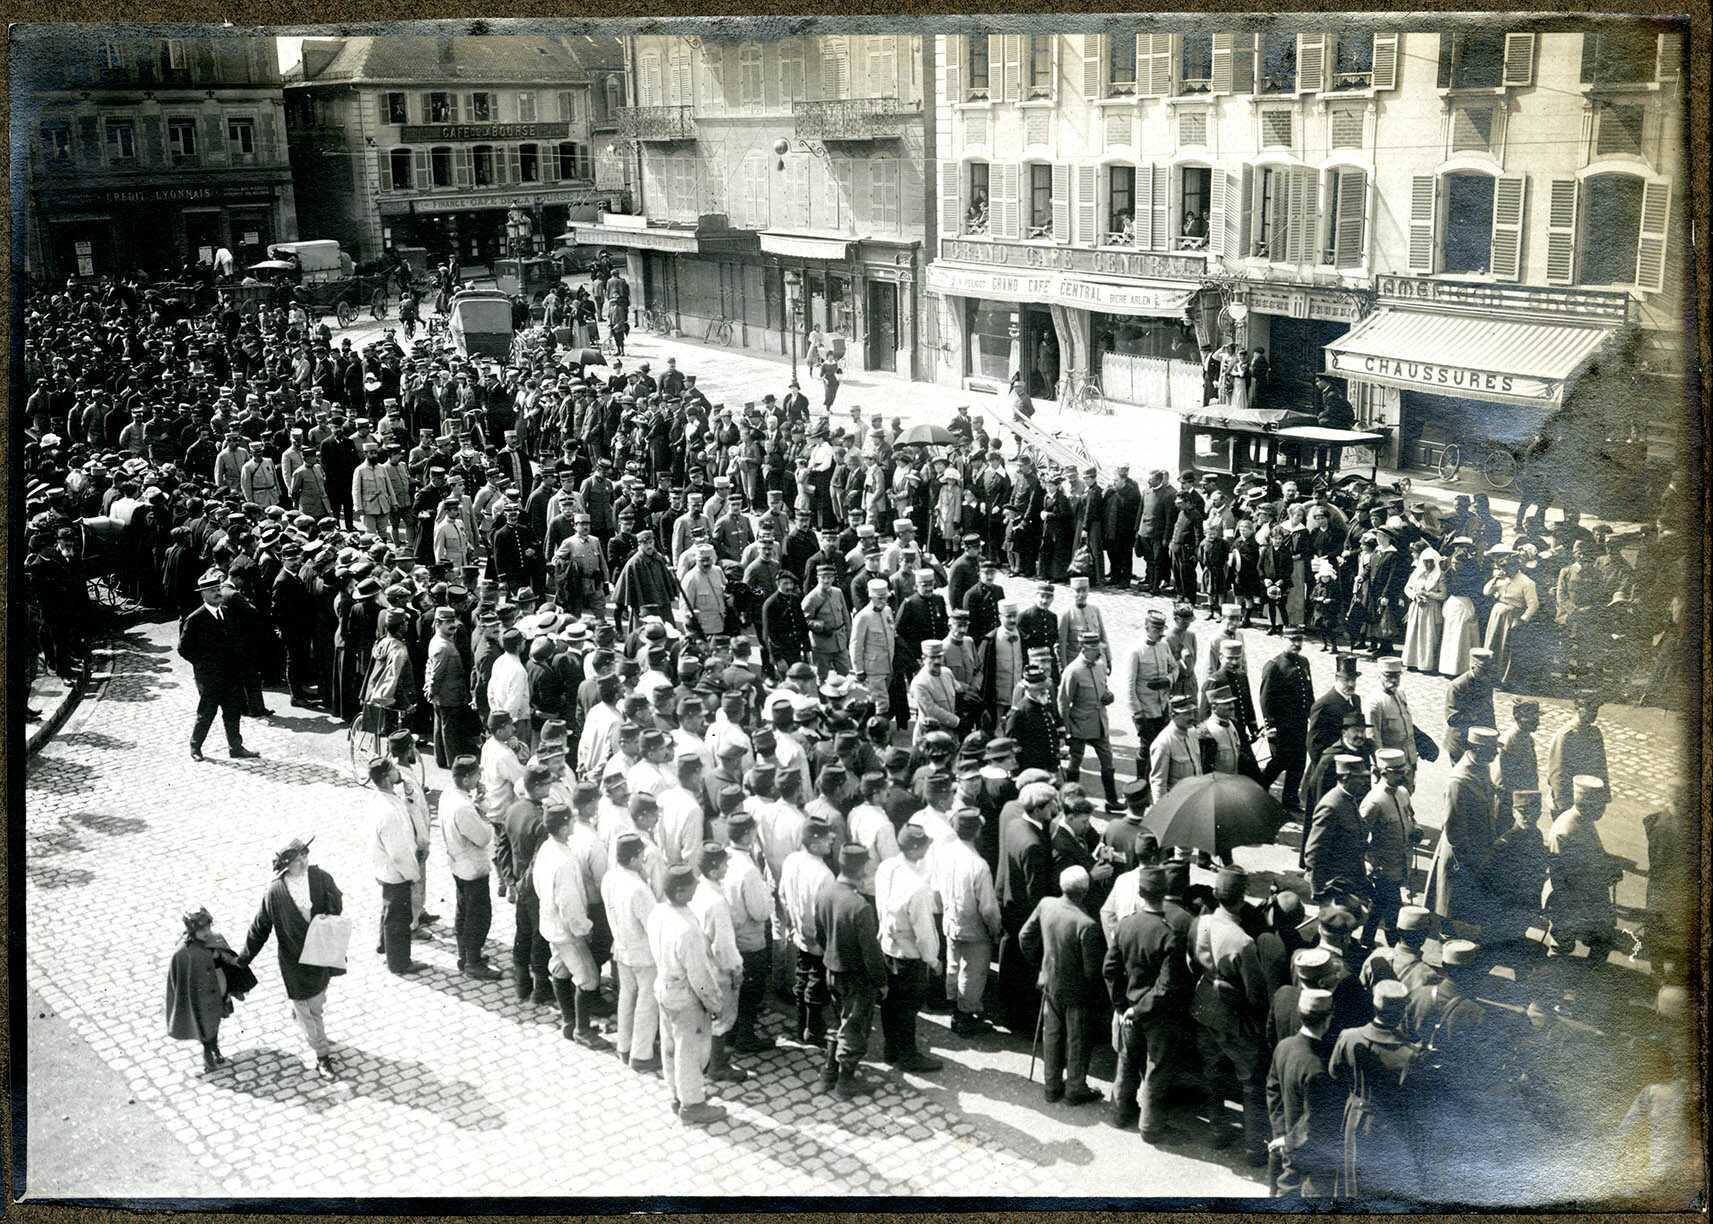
378,304
1499,466
344,313
1450,462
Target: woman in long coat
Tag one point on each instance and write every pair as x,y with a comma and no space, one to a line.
1425,591
1460,630
1057,534
1300,547
202,978
1515,604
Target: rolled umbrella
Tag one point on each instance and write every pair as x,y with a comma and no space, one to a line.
926,435
1215,812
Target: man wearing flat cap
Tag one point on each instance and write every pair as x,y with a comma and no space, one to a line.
217,650
1148,980
299,894
1229,1006
856,971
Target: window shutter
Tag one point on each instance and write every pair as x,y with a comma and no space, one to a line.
422,174
1561,210
884,83
1088,220
1013,67
1590,49
1352,219
154,147
951,199
1061,202
1162,207
811,71
1092,47
1216,208
1145,207
422,99
995,67
1237,206
514,164
954,48
1222,63
770,96
1519,59
1002,207
1447,53
384,169
462,174
1650,244
1385,61
1296,204
1670,63
1153,65
1311,62
1424,204
1243,63
213,139
1506,259
267,137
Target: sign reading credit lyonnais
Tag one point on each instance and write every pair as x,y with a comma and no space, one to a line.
1440,379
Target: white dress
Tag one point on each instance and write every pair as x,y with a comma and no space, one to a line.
1425,621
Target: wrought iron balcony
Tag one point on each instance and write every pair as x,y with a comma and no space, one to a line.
1351,80
852,118
656,123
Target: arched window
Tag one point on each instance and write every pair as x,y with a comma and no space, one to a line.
399,160
482,163
440,166
1612,224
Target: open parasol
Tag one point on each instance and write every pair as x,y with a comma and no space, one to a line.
1215,812
926,435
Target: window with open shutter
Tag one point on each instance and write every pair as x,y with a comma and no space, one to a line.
384,170
1061,202
1506,260
883,67
1091,57
1348,202
1297,238
1145,207
1562,202
421,166
951,199
1216,212
1005,204
1162,210
1651,242
1424,204
1243,61
1222,53
1153,65
1311,62
952,46
461,166
884,184
1669,66
651,81
1013,81
1519,59
1237,205
1385,69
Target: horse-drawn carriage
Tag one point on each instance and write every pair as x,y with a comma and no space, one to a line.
323,281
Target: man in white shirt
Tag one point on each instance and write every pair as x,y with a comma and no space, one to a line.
600,737
933,694
904,906
781,825
802,876
629,900
469,840
612,813
714,912
565,925
751,901
870,829
654,773
964,883
688,992
401,746
508,684
393,852
681,818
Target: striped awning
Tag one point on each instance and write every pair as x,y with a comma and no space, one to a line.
1469,356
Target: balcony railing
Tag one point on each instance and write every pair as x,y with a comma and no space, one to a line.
975,227
1195,85
1185,242
656,123
1279,83
851,118
1042,230
1121,237
1351,80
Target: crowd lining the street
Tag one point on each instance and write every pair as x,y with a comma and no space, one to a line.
731,696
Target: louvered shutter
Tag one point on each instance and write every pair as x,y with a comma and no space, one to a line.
1562,205
770,95
811,70
1061,202
514,164
1590,49
1237,205
1216,206
422,170
1162,193
1243,63
1153,65
1002,213
1424,207
1505,261
951,199
462,174
995,67
887,85
1092,48
154,147
1519,59
384,169
1650,244
1311,214
1144,182
1311,62
1087,230
427,109
1385,61
1296,208
1013,67
1352,203
1222,63
1447,54
910,202
1670,63
954,56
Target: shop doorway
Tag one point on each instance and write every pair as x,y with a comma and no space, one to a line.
202,235
252,231
882,325
1040,346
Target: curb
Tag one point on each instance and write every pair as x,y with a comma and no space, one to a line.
55,718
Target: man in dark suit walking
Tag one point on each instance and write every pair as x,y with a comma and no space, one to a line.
1326,716
1287,698
1065,940
1148,978
1025,877
216,650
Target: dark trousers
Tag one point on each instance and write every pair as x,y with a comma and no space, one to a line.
1290,758
906,986
300,666
1142,1052
472,919
752,991
1120,560
529,949
809,988
228,700
1387,903
853,997
1103,754
1249,1061
1017,988
395,924
1064,1046
1184,574
1147,730
452,734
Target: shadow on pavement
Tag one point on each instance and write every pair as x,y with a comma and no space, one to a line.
274,1075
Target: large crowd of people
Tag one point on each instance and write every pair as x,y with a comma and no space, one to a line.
730,699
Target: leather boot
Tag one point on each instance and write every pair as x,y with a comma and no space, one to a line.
720,1063
583,1033
817,1027
565,994
802,1024
830,1067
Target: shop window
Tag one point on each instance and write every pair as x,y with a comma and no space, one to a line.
440,166
529,163
1472,61
482,108
1039,85
1352,61
526,108
1040,201
1195,188
56,142
1612,221
980,59
121,140
1468,222
1278,64
440,108
396,110
1619,57
1120,65
975,216
1195,64
1121,205
990,332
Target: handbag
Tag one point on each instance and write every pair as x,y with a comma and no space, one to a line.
1426,749
325,942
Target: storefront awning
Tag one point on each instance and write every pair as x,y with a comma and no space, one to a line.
1470,356
1161,299
809,246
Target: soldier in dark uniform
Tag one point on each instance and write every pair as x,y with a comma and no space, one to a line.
217,650
784,628
1334,848
1287,697
1469,703
1148,979
1372,1064
1039,626
1326,717
1035,725
294,617
965,574
1304,1106
1322,776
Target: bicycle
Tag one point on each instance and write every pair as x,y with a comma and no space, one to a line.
719,331
657,320
1081,392
1498,464
366,739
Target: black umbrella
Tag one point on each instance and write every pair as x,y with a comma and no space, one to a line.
1215,812
590,357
